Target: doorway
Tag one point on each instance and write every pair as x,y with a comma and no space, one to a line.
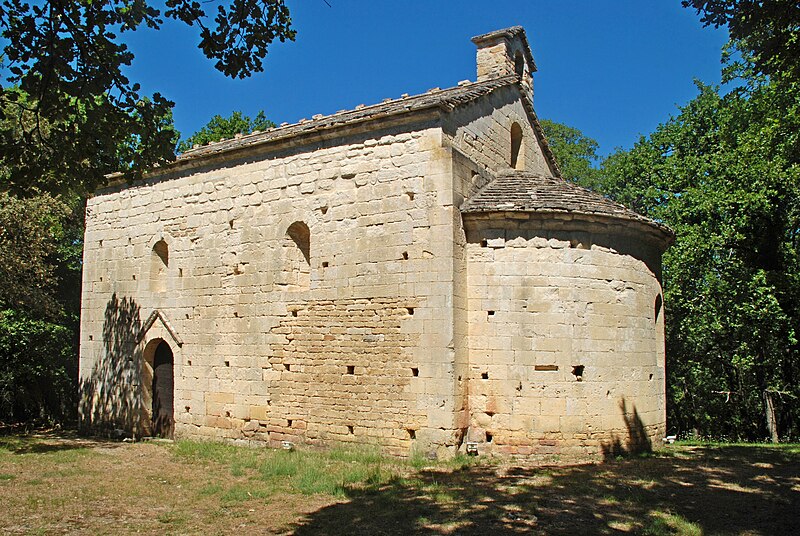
163,389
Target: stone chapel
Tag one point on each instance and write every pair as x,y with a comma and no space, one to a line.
413,274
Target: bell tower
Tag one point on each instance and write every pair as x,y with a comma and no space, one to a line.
506,52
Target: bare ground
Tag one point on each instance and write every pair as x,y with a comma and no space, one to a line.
61,484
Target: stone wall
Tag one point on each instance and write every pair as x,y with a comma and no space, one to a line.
566,335
376,294
325,288
502,55
482,132
355,364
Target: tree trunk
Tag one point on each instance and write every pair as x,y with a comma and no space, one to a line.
772,426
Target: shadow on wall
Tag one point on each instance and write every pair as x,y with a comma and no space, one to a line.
637,441
109,398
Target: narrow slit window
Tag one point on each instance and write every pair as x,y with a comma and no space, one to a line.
159,263
517,155
296,274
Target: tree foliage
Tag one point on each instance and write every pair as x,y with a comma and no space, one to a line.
40,263
68,113
725,175
575,152
30,231
768,29
38,369
219,128
68,117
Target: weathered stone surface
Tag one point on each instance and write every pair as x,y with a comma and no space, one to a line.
318,283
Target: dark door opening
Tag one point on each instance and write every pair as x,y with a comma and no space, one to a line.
163,389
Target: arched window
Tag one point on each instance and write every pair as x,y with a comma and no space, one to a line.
159,262
517,155
297,257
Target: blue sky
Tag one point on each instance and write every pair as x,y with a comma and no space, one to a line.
614,69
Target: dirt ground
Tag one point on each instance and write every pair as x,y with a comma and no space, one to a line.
61,484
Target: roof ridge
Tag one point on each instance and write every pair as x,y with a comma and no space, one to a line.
442,97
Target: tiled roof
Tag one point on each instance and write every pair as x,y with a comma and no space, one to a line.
447,99
520,191
511,31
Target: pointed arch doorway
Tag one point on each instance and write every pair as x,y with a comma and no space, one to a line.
161,361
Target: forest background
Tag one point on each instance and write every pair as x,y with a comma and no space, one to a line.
724,173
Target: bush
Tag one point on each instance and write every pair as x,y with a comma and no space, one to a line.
38,370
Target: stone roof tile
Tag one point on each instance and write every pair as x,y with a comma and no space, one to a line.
509,32
520,191
447,99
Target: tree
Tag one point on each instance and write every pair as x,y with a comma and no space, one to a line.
30,230
38,369
219,128
40,267
725,175
69,115
767,29
575,153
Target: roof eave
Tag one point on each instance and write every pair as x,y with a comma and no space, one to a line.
666,234
231,148
227,153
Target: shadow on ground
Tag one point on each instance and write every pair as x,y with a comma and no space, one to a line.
703,490
51,441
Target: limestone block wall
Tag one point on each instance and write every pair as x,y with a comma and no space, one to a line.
468,178
349,338
325,288
481,131
495,60
479,141
566,335
501,57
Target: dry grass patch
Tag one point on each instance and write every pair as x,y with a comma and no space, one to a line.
67,485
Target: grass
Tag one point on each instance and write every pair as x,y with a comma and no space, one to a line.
793,448
172,518
312,472
67,485
666,524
